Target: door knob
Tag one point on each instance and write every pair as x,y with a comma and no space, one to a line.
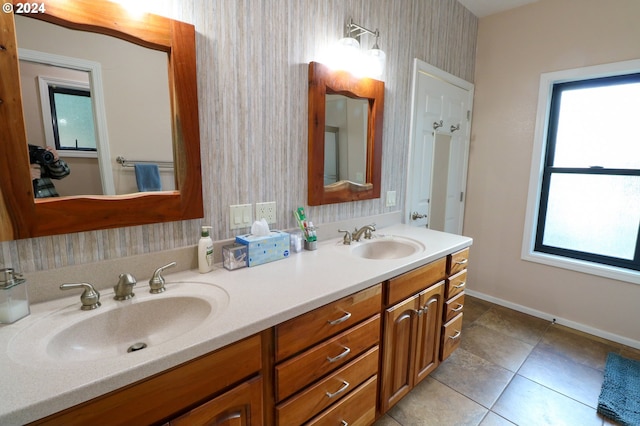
416,216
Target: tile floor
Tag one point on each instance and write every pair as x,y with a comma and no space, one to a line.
511,368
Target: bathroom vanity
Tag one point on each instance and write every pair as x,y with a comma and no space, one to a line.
322,337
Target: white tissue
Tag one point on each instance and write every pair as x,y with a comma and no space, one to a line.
260,228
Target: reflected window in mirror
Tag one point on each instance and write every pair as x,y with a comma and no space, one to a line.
345,136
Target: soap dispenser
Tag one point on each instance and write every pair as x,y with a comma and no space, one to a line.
205,251
14,302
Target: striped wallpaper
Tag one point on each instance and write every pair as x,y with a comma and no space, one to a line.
252,83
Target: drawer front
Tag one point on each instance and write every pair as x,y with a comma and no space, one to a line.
451,334
313,400
306,330
456,284
458,261
357,409
413,282
304,369
453,307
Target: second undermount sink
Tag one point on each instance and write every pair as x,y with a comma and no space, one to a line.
386,247
117,328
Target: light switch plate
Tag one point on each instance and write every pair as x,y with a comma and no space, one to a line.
240,216
391,198
266,211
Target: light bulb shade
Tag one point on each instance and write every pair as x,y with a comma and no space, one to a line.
345,54
376,59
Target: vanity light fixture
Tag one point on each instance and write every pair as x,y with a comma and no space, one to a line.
349,56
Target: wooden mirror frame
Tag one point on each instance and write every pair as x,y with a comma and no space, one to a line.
323,81
21,215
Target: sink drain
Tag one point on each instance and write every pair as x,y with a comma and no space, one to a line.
137,347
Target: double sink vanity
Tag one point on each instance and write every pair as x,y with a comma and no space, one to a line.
336,334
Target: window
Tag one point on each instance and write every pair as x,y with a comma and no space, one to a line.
584,198
72,118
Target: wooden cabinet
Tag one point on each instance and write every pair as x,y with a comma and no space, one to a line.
327,366
454,302
168,395
327,362
411,333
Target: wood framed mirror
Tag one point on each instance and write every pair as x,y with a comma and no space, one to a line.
339,168
23,216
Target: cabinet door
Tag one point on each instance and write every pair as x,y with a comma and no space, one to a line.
398,351
428,332
241,406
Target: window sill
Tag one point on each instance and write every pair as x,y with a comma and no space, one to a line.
591,268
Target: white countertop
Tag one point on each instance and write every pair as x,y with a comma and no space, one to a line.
258,298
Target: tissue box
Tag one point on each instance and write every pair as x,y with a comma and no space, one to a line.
267,248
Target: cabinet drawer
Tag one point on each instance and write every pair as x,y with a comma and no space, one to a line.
357,409
304,369
399,288
306,330
329,390
458,261
456,284
453,307
451,334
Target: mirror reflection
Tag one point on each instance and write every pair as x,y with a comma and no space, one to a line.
132,110
345,139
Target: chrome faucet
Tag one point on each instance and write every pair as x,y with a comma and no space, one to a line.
346,240
156,283
366,230
90,297
124,289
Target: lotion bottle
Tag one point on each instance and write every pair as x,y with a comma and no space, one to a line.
205,251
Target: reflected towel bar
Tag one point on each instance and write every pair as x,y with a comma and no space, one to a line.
131,163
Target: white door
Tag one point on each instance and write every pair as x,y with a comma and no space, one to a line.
439,148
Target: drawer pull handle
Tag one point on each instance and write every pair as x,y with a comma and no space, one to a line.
343,423
456,335
344,387
462,262
339,357
459,308
462,284
345,317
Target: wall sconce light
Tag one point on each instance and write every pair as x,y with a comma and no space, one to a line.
349,56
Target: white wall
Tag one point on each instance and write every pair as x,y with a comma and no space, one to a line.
513,49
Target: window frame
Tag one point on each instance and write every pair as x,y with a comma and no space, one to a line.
532,249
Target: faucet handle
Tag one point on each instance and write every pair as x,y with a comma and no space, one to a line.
156,283
124,289
90,297
347,236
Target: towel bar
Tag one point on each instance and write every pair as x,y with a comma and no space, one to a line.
130,163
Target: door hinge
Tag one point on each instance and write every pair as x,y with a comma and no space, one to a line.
468,114
461,196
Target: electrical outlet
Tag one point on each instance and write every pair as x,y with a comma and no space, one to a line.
240,216
391,198
266,211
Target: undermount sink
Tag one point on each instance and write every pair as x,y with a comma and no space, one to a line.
386,247
119,327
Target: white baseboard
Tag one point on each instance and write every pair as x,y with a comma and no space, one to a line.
562,321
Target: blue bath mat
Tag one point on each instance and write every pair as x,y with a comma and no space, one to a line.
620,395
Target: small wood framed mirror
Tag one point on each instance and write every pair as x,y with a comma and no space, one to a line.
345,136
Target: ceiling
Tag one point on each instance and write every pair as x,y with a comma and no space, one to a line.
482,8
